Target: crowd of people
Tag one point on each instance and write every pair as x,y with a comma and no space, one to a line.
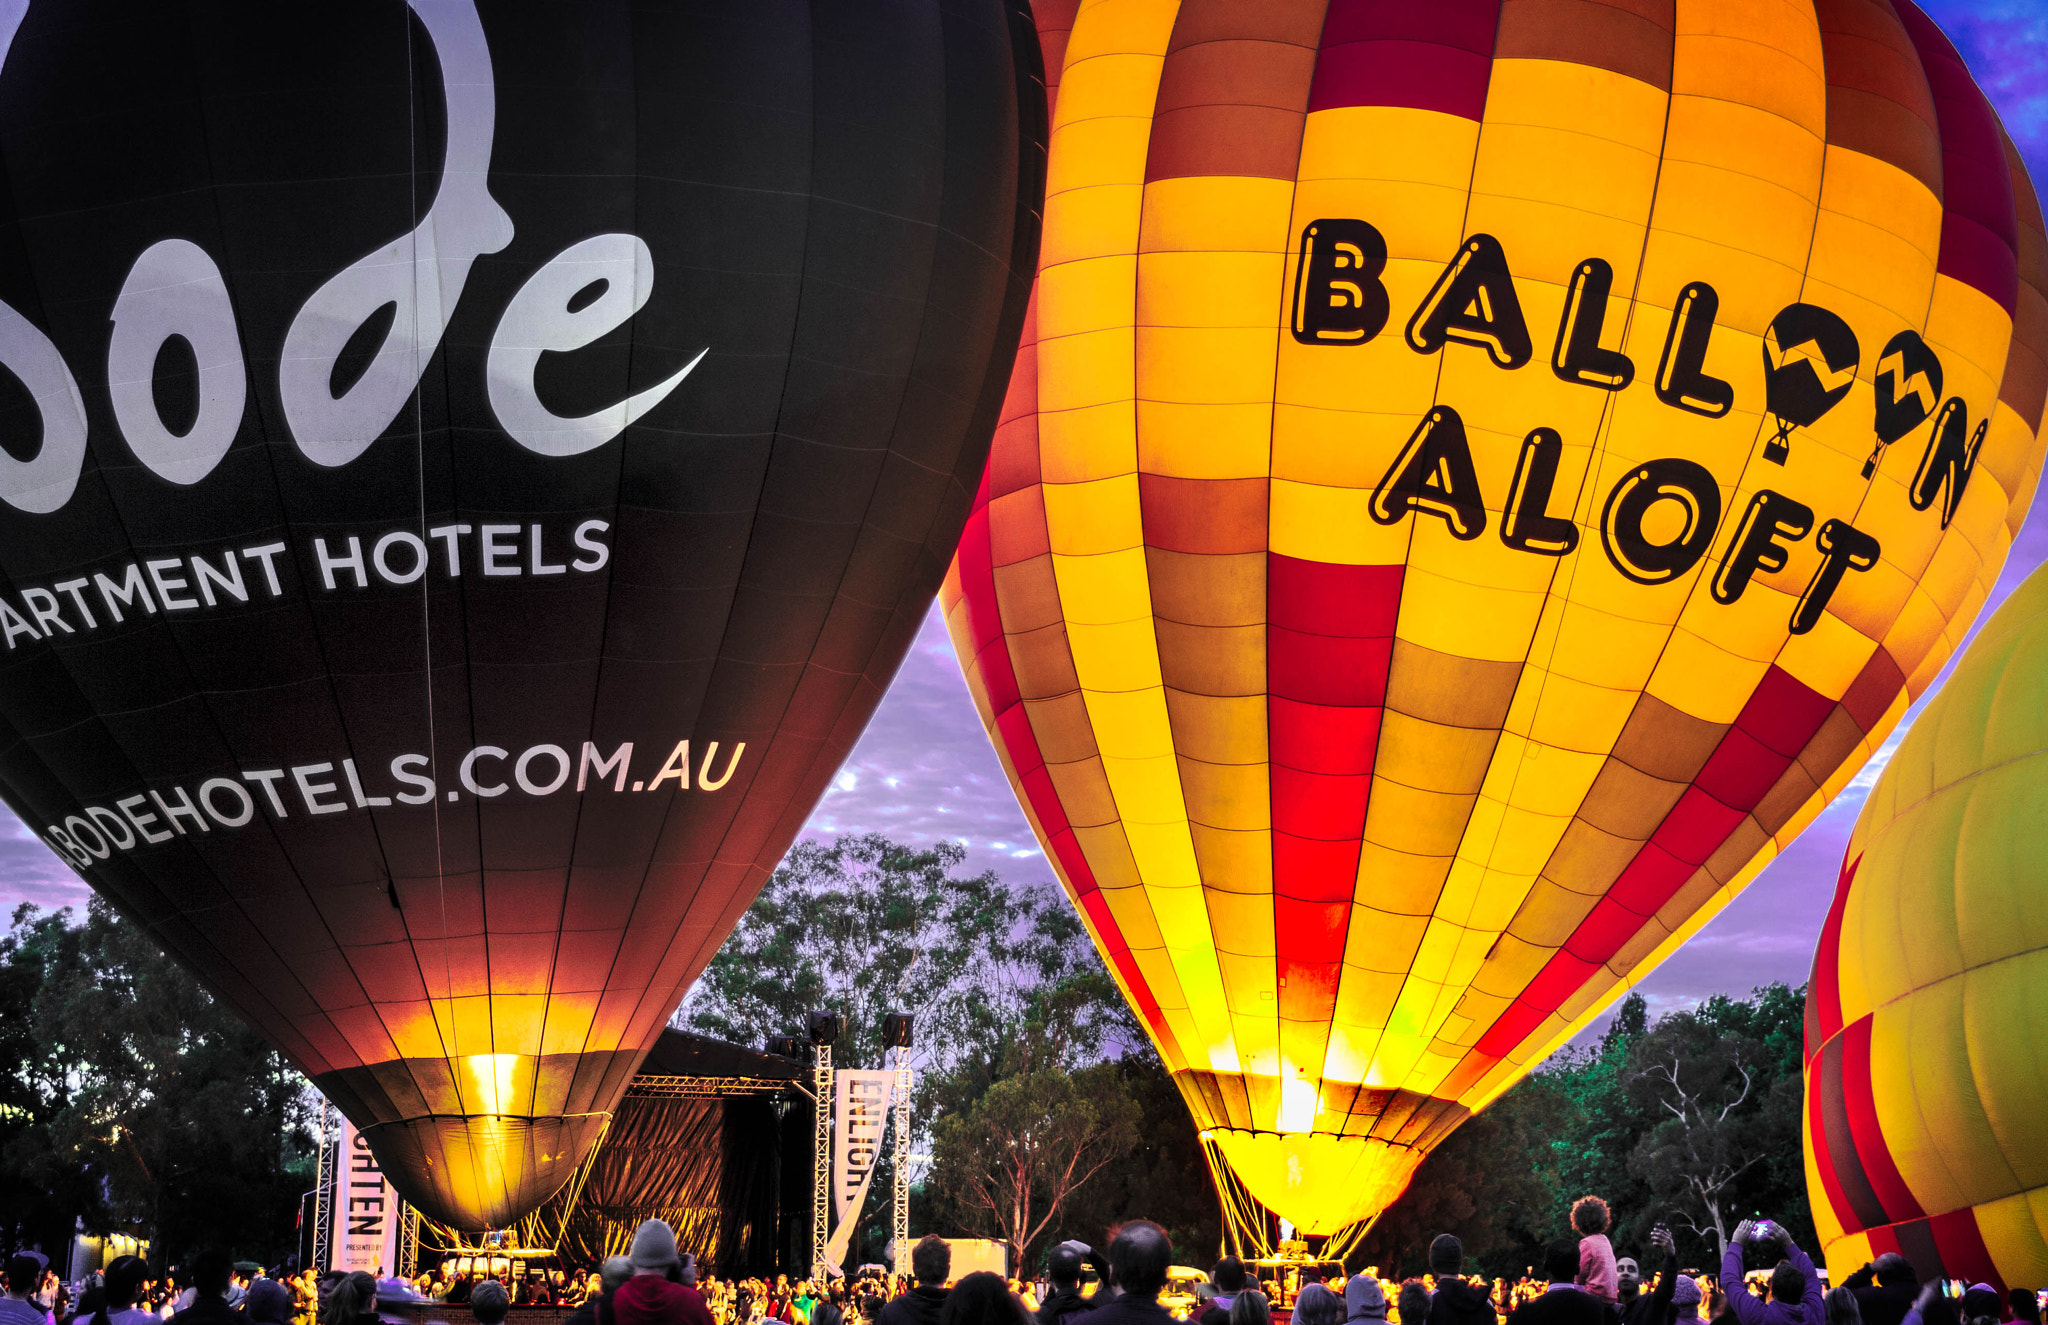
1583,1282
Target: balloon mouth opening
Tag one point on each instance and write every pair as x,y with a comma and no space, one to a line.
1321,1182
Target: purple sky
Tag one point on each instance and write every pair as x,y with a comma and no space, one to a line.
924,770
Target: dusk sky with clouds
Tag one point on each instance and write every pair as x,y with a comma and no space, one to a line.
924,771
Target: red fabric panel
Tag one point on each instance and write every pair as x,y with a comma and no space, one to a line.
1425,54
1013,727
1329,643
1979,225
1861,1107
1963,1253
1824,989
1695,828
1784,713
1741,770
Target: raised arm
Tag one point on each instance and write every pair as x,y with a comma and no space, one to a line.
1741,1301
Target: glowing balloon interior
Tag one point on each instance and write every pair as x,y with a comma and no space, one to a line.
1481,474
1925,1041
468,470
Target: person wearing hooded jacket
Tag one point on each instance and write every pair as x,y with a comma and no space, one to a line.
1456,1302
1364,1300
655,1295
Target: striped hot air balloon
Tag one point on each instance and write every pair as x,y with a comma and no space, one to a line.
1480,476
1926,1050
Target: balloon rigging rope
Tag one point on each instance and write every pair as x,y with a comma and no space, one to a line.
420,472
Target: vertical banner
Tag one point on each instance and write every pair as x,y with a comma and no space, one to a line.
861,1106
366,1210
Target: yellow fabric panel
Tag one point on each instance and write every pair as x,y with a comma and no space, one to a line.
1927,1105
1340,1179
2012,1231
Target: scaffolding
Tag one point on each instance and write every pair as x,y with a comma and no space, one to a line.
323,1188
899,1209
821,1157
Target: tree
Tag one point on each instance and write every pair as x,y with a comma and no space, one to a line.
150,1103
1165,1178
1718,1079
865,926
1606,1119
1008,1163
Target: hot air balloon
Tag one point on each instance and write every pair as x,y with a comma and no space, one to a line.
1925,1044
470,470
1379,595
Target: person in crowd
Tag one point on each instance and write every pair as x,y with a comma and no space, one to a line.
1228,1278
1628,1283
2026,1306
1364,1300
1597,1272
1839,1307
1660,1306
212,1274
1251,1307
351,1301
1932,1307
1796,1297
1457,1302
1411,1302
267,1302
1063,1272
1139,1256
18,1307
650,1296
1317,1305
696,1311
982,1298
597,1306
1982,1302
305,1298
827,1312
931,1264
489,1303
1563,1301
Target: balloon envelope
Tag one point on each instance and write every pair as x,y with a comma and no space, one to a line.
1383,595
1925,1041
470,471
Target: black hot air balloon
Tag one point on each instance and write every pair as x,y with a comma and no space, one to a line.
470,470
1907,388
1810,359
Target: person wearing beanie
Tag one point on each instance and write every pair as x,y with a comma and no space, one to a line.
655,1295
1364,1300
1457,1302
1982,1300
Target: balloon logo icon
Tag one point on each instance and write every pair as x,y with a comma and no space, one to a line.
1908,388
1810,359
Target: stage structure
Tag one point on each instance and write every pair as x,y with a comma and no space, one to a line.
699,1139
896,1032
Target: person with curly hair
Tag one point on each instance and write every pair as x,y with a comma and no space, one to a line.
1598,1274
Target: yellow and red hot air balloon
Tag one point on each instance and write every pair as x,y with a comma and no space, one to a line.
1926,1050
1480,476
